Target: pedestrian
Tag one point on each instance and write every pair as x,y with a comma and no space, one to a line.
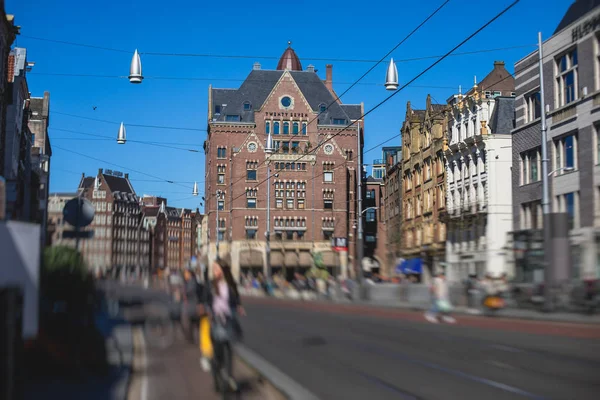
441,306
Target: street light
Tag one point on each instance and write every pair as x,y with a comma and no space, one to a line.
563,169
135,70
195,190
122,135
367,209
391,77
269,151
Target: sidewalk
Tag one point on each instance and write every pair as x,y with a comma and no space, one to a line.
113,386
175,373
506,313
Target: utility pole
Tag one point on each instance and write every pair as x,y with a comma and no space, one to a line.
218,228
268,150
546,206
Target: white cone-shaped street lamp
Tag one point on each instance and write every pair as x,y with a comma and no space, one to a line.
195,191
122,137
269,146
391,77
135,70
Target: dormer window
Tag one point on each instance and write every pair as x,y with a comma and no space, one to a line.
232,118
322,107
217,110
247,106
339,121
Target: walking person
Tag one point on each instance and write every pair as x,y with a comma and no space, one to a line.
441,306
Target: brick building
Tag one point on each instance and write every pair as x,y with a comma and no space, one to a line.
375,240
424,188
120,240
392,201
313,196
172,233
572,97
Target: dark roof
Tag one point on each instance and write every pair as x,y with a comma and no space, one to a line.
352,110
173,212
259,84
151,211
118,184
499,79
577,10
289,60
370,179
87,182
503,116
62,194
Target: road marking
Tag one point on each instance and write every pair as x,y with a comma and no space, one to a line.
500,364
506,348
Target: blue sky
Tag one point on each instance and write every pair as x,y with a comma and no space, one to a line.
328,30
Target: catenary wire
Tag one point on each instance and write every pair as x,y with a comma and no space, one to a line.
211,55
131,179
510,6
130,125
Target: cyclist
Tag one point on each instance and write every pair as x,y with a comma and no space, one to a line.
225,306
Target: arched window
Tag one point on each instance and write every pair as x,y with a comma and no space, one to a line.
304,128
267,128
295,127
286,128
275,128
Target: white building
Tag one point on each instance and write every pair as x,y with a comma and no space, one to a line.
478,170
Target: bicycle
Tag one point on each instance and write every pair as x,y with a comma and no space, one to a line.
222,361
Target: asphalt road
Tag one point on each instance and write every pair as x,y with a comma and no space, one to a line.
350,352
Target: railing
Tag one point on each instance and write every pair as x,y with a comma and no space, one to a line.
565,113
379,161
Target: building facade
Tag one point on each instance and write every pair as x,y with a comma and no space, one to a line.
56,223
374,261
41,153
572,96
478,169
392,201
119,240
424,190
314,169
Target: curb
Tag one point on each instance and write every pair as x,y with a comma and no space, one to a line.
290,388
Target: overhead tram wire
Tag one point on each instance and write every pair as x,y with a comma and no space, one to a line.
120,166
144,142
468,38
130,125
234,56
131,179
356,82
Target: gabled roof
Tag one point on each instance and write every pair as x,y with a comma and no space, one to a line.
118,184
577,10
259,84
87,182
499,79
503,116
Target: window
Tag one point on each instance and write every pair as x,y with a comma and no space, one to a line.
371,194
247,106
566,78
221,235
217,110
250,234
220,174
286,128
301,204
275,128
221,205
378,173
568,203
232,118
531,215
322,108
289,203
497,93
533,106
530,166
295,147
267,127
304,128
565,153
279,203
328,172
328,204
251,170
339,121
295,127
221,152
289,235
371,215
250,203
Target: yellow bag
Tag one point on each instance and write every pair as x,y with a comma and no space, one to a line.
205,342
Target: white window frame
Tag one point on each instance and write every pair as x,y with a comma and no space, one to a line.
559,149
560,78
529,99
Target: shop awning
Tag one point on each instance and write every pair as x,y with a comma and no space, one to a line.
251,258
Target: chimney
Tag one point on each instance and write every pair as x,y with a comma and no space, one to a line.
310,68
498,64
328,77
100,171
256,66
126,175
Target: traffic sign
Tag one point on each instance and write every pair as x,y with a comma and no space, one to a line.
339,243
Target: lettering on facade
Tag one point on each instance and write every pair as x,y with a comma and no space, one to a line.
585,28
287,114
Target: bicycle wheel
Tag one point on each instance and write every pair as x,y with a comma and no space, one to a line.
159,332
